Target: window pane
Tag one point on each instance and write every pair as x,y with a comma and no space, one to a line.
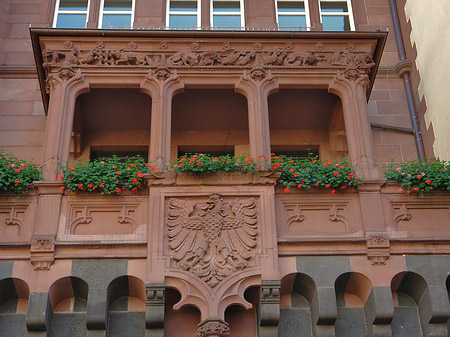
226,6
334,6
183,21
116,21
183,6
73,5
336,23
291,21
291,6
71,21
117,5
227,21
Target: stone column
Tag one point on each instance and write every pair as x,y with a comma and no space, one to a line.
64,86
256,85
161,84
351,87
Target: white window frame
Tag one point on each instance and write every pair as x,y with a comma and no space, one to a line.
306,13
241,12
102,5
349,13
58,11
198,13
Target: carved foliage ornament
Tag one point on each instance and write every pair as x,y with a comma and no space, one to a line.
213,328
214,239
227,57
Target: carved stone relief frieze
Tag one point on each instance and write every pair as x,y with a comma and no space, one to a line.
212,239
201,56
213,328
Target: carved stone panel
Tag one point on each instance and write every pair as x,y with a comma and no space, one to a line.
421,218
317,215
212,238
14,222
113,219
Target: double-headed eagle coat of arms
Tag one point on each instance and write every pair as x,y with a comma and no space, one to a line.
213,239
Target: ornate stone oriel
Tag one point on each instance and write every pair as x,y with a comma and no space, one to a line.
213,239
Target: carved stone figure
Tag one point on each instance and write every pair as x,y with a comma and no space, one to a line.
212,239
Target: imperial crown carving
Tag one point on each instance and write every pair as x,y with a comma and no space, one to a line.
213,239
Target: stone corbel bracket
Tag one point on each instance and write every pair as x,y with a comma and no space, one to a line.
378,245
42,252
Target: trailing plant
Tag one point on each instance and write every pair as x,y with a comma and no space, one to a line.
17,174
109,176
312,172
300,173
420,176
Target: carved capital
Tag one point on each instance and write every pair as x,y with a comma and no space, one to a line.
213,328
161,80
63,76
42,252
155,294
270,292
378,248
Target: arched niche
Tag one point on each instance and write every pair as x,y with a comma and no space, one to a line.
307,120
242,322
185,319
352,299
410,292
14,294
126,307
209,121
298,306
68,301
111,121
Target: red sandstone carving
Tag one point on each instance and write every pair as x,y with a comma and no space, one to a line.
378,248
42,252
219,240
213,328
283,56
14,217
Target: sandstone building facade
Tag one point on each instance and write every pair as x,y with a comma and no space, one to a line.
160,78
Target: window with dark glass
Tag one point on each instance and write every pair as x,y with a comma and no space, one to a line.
227,14
183,14
117,14
336,15
292,15
71,13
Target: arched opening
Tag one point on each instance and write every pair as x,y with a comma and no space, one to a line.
242,322
213,121
68,300
111,121
126,307
13,307
304,121
297,303
352,294
184,320
409,291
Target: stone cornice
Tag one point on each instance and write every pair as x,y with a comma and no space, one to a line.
109,51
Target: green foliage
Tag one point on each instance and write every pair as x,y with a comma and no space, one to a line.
312,172
204,163
420,176
17,174
301,173
109,176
